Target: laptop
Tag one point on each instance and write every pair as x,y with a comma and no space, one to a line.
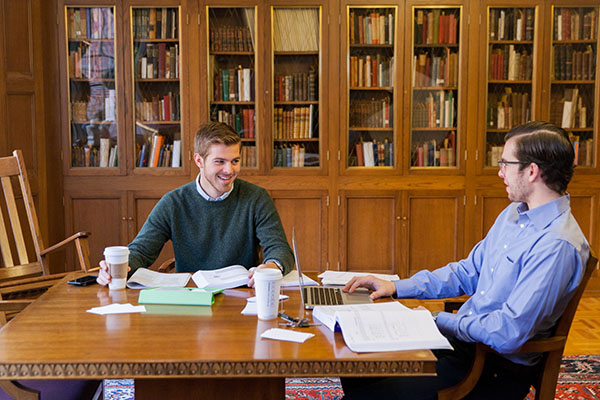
325,295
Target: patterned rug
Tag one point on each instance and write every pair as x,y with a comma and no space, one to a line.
579,380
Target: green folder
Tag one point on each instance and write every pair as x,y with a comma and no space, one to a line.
182,296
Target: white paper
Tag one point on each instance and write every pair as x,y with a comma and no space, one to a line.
223,278
326,314
287,335
250,309
343,277
291,279
144,278
281,297
116,308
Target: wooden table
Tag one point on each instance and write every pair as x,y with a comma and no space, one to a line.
162,349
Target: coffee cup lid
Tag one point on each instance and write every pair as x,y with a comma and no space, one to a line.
268,273
116,251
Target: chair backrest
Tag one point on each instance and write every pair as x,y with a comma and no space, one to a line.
18,222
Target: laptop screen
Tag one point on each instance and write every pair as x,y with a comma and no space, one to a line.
300,277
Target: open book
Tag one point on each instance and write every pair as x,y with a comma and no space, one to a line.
224,278
144,278
383,327
342,277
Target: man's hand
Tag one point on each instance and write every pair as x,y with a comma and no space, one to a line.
104,274
380,287
270,264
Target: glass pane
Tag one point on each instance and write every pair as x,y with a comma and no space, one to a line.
435,66
371,46
232,96
156,83
296,68
92,90
573,79
510,70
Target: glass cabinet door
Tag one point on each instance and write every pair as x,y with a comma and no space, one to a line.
155,35
296,44
511,66
573,91
92,92
371,50
232,78
435,87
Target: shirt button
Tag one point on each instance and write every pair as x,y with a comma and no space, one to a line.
482,292
492,269
505,246
470,312
522,225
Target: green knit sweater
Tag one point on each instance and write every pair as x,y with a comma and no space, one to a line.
213,234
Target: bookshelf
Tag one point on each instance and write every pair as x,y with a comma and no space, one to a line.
156,96
435,66
92,92
371,57
296,87
511,49
231,66
573,81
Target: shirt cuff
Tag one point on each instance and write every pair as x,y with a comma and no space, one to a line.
447,323
276,263
404,289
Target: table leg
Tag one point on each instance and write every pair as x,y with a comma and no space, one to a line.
18,391
210,388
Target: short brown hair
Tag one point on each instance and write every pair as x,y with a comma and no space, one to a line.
214,133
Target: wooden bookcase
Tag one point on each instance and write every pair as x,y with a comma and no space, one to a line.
291,77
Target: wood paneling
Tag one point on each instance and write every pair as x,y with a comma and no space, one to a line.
20,129
18,33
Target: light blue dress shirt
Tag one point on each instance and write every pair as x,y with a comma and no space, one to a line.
520,277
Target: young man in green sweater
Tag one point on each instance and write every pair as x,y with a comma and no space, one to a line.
212,222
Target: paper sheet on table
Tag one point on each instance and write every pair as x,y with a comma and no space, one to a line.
291,279
116,308
251,308
286,335
343,277
281,297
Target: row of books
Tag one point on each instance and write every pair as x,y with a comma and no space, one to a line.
249,158
508,109
157,61
584,150
506,63
437,111
434,154
82,111
231,38
93,61
573,64
297,123
371,71
493,154
159,108
155,152
155,23
568,109
371,27
374,154
289,155
430,70
242,122
234,84
575,23
436,26
91,23
371,113
296,87
90,156
511,23
296,29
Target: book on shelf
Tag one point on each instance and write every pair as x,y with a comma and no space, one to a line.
435,26
507,109
248,156
374,113
176,154
155,23
371,27
388,326
433,153
511,24
430,70
437,111
372,153
575,23
230,38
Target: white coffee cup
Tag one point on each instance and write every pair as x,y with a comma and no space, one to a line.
117,259
267,282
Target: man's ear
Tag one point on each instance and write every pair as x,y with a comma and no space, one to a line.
534,172
198,160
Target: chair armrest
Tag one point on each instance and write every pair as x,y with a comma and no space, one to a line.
167,266
58,245
14,305
465,386
544,345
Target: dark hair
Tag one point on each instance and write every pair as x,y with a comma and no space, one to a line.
549,147
214,133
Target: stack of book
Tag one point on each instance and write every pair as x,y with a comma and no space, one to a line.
242,121
437,111
371,113
296,87
234,84
430,70
156,153
371,27
296,123
231,38
90,23
159,108
575,24
155,23
506,63
371,71
434,154
511,24
157,61
436,27
374,154
508,109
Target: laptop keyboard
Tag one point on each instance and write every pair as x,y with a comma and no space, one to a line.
325,296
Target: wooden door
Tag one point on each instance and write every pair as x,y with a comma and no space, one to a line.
306,211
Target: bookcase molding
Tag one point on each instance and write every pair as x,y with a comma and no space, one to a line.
398,217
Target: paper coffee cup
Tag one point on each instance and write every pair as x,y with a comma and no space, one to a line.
267,282
117,259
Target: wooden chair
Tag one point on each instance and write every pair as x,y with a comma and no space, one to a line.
552,349
23,276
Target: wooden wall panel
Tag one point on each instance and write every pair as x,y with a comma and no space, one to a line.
18,34
306,212
20,129
142,206
491,205
582,207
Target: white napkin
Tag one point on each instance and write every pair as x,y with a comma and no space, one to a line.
116,308
287,335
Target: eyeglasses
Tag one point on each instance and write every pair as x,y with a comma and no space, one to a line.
502,164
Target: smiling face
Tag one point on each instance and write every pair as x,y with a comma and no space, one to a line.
517,185
219,168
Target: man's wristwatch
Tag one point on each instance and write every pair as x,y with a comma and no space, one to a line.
435,314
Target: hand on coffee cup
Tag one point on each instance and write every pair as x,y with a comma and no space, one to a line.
252,270
113,270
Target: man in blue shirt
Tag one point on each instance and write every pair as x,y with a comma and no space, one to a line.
520,277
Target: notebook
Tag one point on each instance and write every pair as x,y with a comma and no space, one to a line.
323,295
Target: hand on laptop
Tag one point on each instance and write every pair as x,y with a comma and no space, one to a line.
380,287
252,270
